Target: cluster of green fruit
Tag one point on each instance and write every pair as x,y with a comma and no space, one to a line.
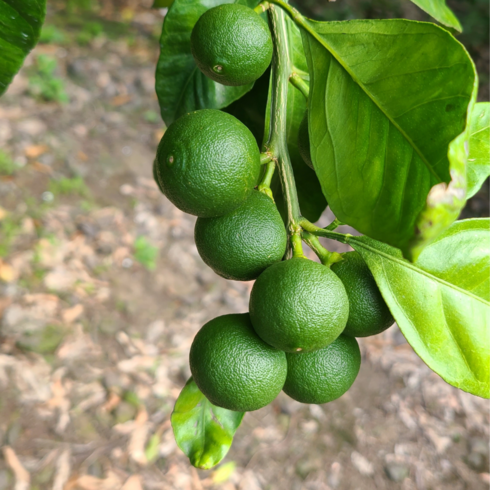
299,335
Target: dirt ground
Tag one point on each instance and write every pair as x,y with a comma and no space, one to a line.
102,291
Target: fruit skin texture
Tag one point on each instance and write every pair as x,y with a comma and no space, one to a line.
304,141
232,44
233,367
368,312
155,176
298,305
208,163
240,245
323,375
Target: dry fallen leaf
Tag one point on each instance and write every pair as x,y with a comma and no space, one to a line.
7,272
88,482
71,314
35,151
120,100
111,403
137,441
22,476
61,402
40,167
83,156
62,470
133,483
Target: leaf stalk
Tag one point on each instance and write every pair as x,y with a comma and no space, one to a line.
326,258
298,82
265,184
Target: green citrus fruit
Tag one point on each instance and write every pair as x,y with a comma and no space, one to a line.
155,177
368,312
232,44
304,141
233,367
323,375
298,305
242,244
208,163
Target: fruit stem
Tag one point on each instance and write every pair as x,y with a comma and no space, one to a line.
265,158
265,184
297,247
325,232
310,227
326,258
277,140
262,7
300,84
302,74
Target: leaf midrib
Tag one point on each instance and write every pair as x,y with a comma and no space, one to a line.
417,270
202,424
378,105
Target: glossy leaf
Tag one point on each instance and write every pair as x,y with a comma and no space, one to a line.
311,199
180,85
440,12
312,202
461,256
160,4
203,431
441,302
444,201
387,98
250,109
478,168
20,26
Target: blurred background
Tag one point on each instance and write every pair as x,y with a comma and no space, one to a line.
102,291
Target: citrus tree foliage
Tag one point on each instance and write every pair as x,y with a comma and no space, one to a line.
377,155
20,27
441,302
478,168
440,12
398,144
203,431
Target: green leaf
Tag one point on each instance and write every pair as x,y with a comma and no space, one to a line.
441,302
444,201
440,11
387,98
203,431
461,256
250,109
180,85
161,4
311,199
478,168
20,27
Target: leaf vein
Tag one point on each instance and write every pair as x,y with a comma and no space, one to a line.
428,102
416,269
463,355
409,140
387,77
